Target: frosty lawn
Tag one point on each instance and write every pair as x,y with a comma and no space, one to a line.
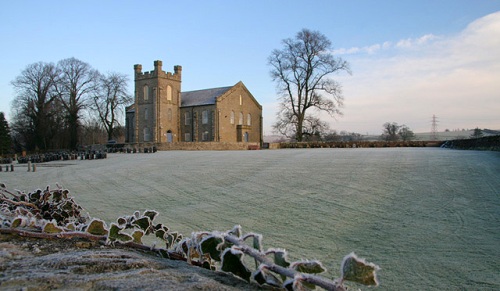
429,217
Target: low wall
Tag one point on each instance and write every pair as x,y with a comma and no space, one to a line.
490,143
356,144
197,146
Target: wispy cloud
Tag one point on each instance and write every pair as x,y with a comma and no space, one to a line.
455,77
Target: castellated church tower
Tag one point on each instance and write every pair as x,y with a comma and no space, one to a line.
162,115
156,113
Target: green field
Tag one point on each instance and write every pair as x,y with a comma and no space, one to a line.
429,217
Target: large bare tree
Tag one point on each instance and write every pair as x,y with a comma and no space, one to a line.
77,84
32,106
303,71
110,100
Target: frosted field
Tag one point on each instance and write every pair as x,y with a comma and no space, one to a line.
429,217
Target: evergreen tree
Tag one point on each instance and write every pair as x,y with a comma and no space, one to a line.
5,139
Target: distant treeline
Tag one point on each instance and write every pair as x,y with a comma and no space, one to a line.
489,143
359,144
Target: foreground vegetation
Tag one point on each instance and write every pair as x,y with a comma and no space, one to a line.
54,214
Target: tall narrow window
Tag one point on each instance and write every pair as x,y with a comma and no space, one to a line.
204,117
146,113
241,100
249,119
187,136
169,93
240,121
147,136
146,92
231,119
187,118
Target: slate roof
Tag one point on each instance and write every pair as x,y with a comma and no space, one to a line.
202,97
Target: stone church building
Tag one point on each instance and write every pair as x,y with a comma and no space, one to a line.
162,113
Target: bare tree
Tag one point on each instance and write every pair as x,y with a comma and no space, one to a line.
302,71
406,133
390,131
110,100
33,105
77,84
394,131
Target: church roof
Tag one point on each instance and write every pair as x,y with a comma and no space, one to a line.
202,97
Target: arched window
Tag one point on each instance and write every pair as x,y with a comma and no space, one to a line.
146,92
147,136
249,119
232,117
240,121
204,117
187,118
146,113
169,93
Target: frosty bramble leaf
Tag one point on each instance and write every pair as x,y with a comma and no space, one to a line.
295,285
172,237
160,234
310,267
151,214
121,221
50,227
236,231
116,235
209,246
143,223
358,270
280,258
137,235
257,240
18,222
232,262
97,227
114,230
263,276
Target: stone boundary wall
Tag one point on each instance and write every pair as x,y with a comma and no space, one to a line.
356,144
488,143
197,146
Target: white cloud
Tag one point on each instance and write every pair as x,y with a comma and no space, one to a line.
456,77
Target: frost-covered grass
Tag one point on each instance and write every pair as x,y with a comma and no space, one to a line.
429,217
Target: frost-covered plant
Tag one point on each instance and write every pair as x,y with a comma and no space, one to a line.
52,213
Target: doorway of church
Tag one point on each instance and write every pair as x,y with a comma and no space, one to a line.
169,136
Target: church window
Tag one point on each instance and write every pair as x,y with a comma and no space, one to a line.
204,117
187,118
147,135
146,113
146,92
204,136
187,136
240,121
169,93
232,117
249,119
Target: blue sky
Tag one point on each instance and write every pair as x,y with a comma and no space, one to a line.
410,59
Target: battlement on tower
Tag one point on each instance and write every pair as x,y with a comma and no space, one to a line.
157,72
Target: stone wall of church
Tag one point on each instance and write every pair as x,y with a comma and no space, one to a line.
238,108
